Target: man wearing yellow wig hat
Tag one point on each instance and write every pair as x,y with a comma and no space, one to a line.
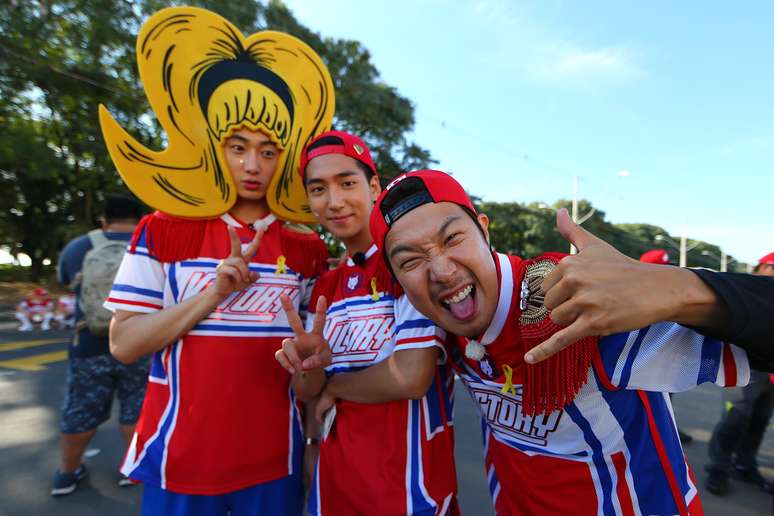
199,288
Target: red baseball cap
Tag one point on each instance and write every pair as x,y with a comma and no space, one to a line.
768,259
659,256
40,292
411,190
336,142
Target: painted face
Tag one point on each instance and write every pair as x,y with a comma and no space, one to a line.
340,195
252,160
444,265
765,269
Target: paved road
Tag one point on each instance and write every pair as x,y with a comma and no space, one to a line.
32,386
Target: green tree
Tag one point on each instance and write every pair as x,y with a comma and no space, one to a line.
29,206
365,104
59,59
524,230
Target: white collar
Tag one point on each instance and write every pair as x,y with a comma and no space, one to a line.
504,298
265,222
474,349
368,254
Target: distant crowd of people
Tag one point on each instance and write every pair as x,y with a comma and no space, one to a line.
40,308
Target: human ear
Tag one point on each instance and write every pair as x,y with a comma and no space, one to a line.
483,221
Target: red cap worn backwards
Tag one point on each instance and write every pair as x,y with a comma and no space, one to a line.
768,259
411,190
336,142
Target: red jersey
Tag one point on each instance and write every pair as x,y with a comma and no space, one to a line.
219,414
614,449
37,305
382,458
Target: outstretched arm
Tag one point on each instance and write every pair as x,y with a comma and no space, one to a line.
600,291
406,374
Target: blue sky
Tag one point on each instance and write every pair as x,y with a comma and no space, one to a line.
517,98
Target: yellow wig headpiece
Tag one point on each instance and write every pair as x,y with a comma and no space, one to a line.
204,80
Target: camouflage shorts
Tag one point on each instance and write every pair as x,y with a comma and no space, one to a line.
91,384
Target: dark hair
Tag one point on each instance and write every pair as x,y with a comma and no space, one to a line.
335,140
118,207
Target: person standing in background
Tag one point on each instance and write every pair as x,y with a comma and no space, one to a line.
94,376
738,435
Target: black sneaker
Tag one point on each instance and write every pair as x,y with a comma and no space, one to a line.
684,438
717,483
751,475
66,483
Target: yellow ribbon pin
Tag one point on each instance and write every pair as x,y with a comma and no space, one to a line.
374,291
508,387
281,265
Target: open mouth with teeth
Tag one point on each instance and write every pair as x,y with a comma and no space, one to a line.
462,303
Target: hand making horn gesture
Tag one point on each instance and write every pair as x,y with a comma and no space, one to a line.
307,350
233,273
598,291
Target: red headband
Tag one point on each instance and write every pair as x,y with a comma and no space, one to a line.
350,145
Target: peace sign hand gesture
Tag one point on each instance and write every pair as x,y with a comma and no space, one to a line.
233,274
307,350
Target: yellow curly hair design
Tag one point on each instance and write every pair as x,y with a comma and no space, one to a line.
204,80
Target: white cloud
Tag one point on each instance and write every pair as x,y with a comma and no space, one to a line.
538,50
566,62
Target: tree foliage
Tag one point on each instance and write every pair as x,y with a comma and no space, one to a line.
60,59
530,229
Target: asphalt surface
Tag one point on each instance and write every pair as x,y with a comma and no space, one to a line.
33,372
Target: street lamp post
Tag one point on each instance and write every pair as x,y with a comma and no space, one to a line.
723,258
682,247
575,219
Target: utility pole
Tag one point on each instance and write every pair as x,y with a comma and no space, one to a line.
575,218
682,247
723,258
574,209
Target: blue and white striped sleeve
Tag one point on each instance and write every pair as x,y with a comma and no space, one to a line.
668,357
413,330
139,283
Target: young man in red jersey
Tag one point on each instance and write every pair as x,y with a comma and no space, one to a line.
587,431
212,320
219,433
391,427
37,305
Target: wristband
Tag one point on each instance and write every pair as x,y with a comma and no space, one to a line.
312,440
